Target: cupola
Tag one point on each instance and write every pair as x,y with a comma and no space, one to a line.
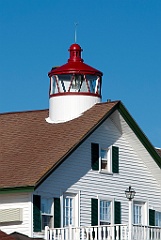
74,88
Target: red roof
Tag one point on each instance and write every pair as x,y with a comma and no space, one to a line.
75,64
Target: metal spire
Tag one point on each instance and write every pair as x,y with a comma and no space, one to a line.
75,32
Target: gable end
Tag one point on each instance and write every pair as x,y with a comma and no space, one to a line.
138,132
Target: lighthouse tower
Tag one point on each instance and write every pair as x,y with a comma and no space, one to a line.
74,88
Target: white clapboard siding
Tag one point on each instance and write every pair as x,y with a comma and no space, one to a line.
139,148
18,209
75,174
9,215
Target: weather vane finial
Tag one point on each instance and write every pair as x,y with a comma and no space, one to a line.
75,32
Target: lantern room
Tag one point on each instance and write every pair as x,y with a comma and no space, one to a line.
74,88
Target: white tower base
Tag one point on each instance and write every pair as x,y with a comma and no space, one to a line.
67,107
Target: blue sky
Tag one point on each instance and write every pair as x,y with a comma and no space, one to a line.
121,38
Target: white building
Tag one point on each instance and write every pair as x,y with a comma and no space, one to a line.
68,168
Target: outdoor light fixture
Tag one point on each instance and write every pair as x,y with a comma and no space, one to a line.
130,193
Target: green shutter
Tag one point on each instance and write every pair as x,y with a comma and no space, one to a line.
115,159
117,213
151,217
95,156
94,212
57,222
37,213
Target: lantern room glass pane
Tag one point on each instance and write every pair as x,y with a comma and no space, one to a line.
54,88
75,83
64,82
94,83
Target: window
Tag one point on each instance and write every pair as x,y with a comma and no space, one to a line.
46,212
109,160
69,213
139,212
105,159
158,219
105,212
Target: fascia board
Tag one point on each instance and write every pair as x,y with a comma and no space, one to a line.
16,189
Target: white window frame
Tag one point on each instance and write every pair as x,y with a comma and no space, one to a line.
76,200
158,218
47,214
69,211
101,198
144,212
138,213
108,159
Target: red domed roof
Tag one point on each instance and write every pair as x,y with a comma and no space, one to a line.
75,46
75,64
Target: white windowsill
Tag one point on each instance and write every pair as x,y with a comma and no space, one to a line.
105,172
39,234
47,214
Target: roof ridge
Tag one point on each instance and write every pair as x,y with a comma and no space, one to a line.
103,103
39,110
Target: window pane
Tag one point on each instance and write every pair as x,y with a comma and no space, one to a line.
105,159
137,214
46,205
103,153
104,164
105,212
68,211
54,87
158,219
46,221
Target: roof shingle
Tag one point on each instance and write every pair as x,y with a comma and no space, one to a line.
4,236
158,150
30,147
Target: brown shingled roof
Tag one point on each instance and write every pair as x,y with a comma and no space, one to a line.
158,150
20,236
30,147
4,236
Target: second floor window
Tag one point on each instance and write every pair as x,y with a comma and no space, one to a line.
105,159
